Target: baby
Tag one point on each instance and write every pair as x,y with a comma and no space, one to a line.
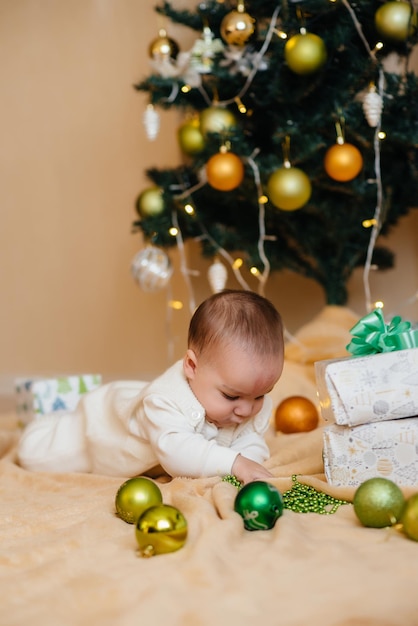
205,416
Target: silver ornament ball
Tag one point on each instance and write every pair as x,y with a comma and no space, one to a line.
152,269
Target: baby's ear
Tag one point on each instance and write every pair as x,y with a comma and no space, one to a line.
190,364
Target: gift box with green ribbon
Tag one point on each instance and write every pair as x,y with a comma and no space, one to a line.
379,381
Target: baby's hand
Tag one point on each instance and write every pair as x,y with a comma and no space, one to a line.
247,471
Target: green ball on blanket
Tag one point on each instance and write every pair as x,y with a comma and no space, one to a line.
378,503
260,505
135,496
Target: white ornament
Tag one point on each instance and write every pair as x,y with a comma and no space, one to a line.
372,107
151,268
151,121
217,276
204,50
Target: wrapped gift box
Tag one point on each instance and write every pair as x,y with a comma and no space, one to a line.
387,449
35,397
372,388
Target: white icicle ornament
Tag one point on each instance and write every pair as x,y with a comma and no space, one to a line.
372,107
217,276
151,121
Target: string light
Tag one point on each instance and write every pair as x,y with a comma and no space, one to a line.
241,106
186,88
255,271
368,223
173,231
378,304
177,305
237,263
280,33
381,134
189,209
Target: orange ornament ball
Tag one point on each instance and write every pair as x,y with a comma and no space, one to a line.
343,162
225,171
296,414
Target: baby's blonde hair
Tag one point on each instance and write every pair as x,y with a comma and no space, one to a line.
242,318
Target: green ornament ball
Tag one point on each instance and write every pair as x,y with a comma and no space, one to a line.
260,505
409,519
135,496
160,529
190,138
289,188
396,20
150,202
305,53
378,502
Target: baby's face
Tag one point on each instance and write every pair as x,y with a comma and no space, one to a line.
231,385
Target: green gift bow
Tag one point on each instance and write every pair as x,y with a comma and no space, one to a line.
371,335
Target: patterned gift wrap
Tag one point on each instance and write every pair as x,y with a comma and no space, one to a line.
388,449
373,388
35,397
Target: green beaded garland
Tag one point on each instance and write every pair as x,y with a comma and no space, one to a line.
233,480
301,498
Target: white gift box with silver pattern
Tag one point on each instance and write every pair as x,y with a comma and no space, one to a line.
360,390
388,449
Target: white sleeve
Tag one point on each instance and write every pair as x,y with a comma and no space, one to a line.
180,449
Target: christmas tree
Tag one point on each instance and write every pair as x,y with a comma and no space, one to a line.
300,135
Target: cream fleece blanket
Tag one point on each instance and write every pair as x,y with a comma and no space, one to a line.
67,560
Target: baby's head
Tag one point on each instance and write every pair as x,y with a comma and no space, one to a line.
235,354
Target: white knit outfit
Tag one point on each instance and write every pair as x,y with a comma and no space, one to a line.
127,428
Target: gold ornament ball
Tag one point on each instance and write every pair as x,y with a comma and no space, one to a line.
378,503
160,529
409,519
288,188
296,414
305,53
163,47
237,27
134,496
343,162
190,137
225,171
396,20
150,202
216,120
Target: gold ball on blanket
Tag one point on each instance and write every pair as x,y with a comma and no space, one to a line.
296,414
378,502
409,519
260,505
160,529
134,496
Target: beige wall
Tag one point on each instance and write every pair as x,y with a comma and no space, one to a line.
73,157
